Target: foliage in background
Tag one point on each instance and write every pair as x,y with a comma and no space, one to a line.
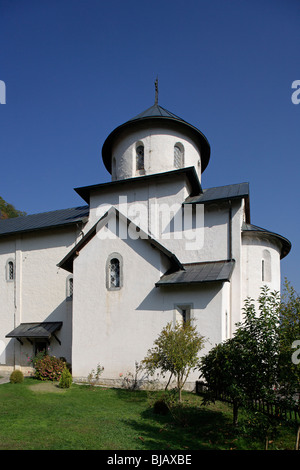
256,363
289,337
8,211
245,367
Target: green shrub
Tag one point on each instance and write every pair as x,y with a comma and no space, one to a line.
49,368
160,407
16,377
65,380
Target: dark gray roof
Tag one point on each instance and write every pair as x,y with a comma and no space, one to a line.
189,172
285,243
231,191
166,118
35,330
196,273
156,111
44,220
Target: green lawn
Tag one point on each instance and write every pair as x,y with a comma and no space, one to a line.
39,415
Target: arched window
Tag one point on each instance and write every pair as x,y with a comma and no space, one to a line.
10,270
114,272
69,287
178,155
266,274
140,157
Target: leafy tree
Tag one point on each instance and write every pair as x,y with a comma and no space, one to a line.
289,335
221,369
8,211
175,351
245,367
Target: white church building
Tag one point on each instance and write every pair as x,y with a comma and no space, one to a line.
96,284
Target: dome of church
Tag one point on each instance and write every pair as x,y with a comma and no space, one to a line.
154,141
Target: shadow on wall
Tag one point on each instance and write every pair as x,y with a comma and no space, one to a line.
163,298
14,349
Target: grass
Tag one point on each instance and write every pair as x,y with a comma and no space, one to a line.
38,415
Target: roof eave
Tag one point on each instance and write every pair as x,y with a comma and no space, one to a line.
198,135
190,172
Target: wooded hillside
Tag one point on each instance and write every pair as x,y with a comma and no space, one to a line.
8,210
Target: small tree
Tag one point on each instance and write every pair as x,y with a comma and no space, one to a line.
221,370
245,367
175,351
289,334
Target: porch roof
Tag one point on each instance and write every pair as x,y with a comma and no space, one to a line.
42,330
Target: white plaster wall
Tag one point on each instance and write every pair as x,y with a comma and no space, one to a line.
253,247
161,203
37,294
7,301
116,328
158,152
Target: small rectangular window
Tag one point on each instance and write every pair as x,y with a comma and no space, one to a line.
182,314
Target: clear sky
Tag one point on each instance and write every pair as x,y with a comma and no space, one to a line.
76,69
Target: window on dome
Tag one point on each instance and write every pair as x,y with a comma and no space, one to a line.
140,157
178,155
266,274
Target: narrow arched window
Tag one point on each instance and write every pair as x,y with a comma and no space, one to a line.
70,287
10,270
140,157
266,272
114,272
178,155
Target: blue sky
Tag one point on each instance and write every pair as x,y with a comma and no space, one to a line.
76,69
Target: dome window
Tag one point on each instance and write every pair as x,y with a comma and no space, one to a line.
178,155
140,157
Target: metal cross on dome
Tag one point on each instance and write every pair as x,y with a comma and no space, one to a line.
156,91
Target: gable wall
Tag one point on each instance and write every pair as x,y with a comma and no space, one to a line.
116,328
38,292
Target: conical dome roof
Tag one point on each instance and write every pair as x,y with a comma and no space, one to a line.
157,115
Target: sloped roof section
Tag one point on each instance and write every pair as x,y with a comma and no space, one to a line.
197,273
35,330
44,220
156,111
285,243
188,172
231,191
157,115
67,262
